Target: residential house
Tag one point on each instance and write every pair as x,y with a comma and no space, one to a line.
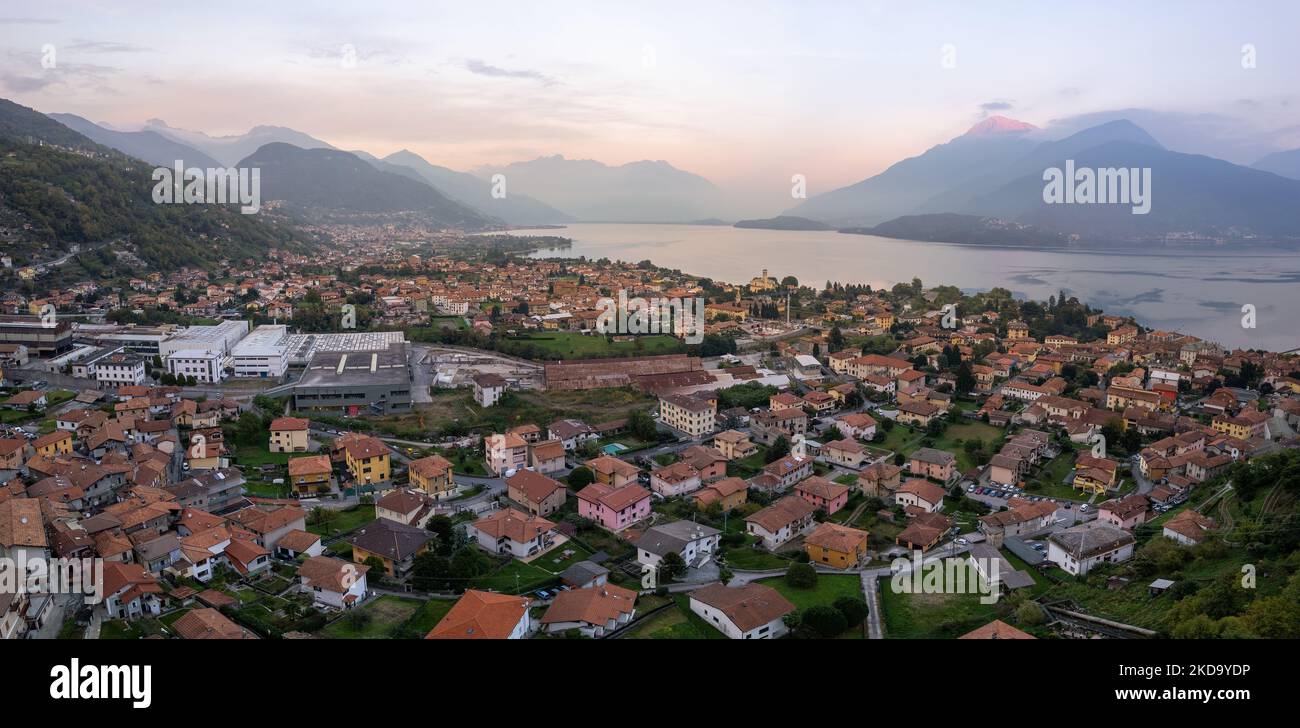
310,475
922,494
538,494
511,531
593,612
289,434
485,615
781,521
928,462
614,508
728,493
433,475
834,545
1079,548
823,494
332,582
752,611
395,544
696,543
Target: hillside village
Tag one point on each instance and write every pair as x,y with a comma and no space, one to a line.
468,457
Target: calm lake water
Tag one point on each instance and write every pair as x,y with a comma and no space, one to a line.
1196,291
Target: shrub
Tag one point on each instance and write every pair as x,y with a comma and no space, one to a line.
801,576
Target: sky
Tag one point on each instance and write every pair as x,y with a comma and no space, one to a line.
746,94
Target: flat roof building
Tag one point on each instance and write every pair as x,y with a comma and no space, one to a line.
355,381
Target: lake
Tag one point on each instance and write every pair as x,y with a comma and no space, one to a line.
1197,291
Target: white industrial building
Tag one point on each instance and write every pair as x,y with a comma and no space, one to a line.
203,352
264,353
205,366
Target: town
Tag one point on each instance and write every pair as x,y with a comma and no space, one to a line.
436,439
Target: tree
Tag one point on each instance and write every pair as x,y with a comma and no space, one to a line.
581,477
801,576
779,449
825,621
671,567
445,530
853,609
376,565
1030,614
965,377
642,426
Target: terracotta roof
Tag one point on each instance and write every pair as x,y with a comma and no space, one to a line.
309,465
297,540
748,607
513,524
291,424
834,537
481,615
433,466
615,499
331,574
209,624
996,630
21,523
597,605
535,486
782,513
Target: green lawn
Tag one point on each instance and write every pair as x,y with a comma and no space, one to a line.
933,616
383,614
751,558
344,521
429,614
678,623
515,577
574,345
255,455
829,588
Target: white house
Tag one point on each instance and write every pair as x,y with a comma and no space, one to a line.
781,521
205,366
333,582
694,542
488,389
511,531
130,591
752,611
1078,549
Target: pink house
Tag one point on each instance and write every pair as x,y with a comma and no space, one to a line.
822,493
614,508
1127,512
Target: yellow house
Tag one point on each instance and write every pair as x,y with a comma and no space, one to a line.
310,474
1094,475
367,459
733,444
834,545
433,475
58,442
289,434
612,472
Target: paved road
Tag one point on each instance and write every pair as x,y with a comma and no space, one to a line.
870,590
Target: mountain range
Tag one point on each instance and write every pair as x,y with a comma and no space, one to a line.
996,172
645,191
336,180
59,188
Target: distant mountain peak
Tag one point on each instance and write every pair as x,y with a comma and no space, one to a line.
999,125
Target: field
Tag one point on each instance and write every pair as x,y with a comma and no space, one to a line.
920,616
520,407
344,521
677,622
829,588
574,345
381,616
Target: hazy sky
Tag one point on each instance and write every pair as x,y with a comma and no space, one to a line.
744,93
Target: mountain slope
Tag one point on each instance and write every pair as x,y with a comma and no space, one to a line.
1286,164
58,188
515,208
905,185
646,191
230,149
960,198
150,146
336,180
1188,193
